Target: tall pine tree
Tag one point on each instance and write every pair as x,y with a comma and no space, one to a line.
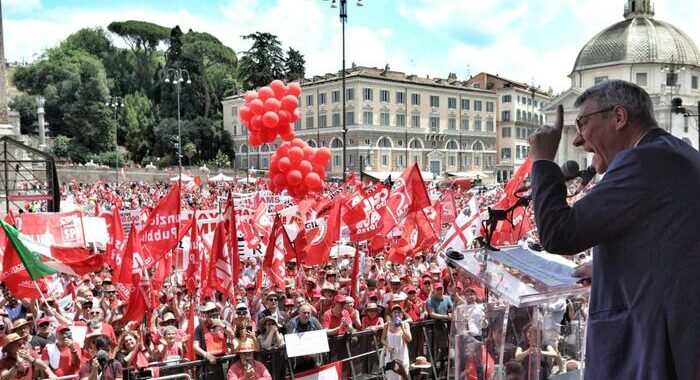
263,62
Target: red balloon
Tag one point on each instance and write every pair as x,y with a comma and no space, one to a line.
244,114
309,153
257,107
254,139
272,104
302,190
280,180
296,154
299,143
312,180
305,167
288,136
284,128
284,164
294,89
289,103
296,115
265,93
278,88
284,116
323,155
250,95
268,135
294,177
270,119
256,123
283,151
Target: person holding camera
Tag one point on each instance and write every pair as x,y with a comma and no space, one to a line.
395,338
64,355
100,366
247,368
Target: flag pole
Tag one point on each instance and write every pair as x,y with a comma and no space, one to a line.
40,292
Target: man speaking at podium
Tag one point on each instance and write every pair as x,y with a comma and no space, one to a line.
643,222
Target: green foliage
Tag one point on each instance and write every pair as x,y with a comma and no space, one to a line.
294,65
140,35
60,146
263,62
94,41
26,106
136,126
105,158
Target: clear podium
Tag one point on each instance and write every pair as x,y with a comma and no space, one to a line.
525,281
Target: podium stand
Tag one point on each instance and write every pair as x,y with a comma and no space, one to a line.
521,277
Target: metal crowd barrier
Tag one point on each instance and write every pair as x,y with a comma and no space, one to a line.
360,353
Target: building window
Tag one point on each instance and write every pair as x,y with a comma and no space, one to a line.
529,101
465,124
415,159
505,132
517,152
384,96
400,97
434,124
434,101
451,161
336,160
489,125
297,125
367,117
309,100
322,120
465,104
505,115
234,112
477,161
385,160
694,82
505,99
452,103
517,115
350,94
336,119
599,79
384,143
350,161
322,98
477,125
489,106
350,118
264,163
401,161
384,118
400,120
489,161
367,94
477,105
415,121
452,123
415,99
335,96
477,85
505,153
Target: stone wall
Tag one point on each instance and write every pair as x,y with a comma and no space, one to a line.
87,175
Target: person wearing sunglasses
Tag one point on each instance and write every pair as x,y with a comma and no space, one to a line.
641,219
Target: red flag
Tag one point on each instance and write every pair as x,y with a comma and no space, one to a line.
355,273
220,277
364,215
408,190
189,347
116,241
160,233
418,235
277,248
139,303
321,233
131,258
300,244
261,221
434,215
15,275
194,258
250,235
449,209
232,233
510,232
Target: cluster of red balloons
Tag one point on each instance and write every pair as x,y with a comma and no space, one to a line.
270,112
299,168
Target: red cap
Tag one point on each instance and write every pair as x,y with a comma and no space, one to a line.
41,321
410,288
288,302
426,277
62,328
372,293
250,286
339,298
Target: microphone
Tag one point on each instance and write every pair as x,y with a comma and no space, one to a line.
570,169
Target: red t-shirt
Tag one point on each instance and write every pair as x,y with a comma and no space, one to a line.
66,364
26,370
331,321
367,322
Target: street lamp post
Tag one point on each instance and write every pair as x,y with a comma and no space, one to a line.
116,102
177,76
343,12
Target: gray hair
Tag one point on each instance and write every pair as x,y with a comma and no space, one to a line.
613,92
168,329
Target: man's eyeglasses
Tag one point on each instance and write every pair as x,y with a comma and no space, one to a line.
579,124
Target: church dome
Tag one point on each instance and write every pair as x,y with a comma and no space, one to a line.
638,39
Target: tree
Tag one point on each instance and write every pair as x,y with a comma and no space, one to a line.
294,65
263,62
189,150
139,118
60,146
26,106
191,94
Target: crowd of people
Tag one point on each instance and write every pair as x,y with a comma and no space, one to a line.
40,338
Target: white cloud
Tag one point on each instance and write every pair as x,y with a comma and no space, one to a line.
21,6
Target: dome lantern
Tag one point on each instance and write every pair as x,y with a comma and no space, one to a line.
638,8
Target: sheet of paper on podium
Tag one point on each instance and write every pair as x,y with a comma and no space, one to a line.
545,267
306,343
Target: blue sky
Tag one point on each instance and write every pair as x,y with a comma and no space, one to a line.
528,41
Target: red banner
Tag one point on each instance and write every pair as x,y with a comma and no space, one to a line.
364,215
160,233
63,229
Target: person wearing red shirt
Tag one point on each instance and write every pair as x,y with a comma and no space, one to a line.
337,320
413,305
64,355
20,363
425,287
371,320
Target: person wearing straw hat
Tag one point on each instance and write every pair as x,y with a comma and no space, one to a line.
20,363
395,339
270,336
246,367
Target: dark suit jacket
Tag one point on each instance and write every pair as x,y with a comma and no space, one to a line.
643,220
